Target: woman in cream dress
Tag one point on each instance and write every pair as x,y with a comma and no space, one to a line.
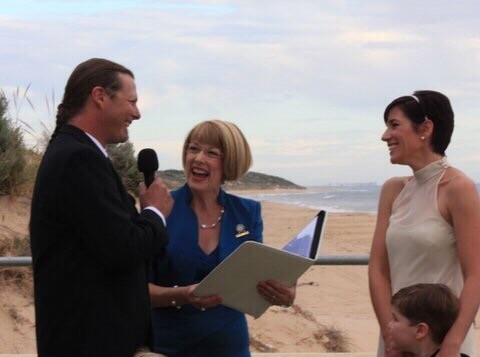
428,224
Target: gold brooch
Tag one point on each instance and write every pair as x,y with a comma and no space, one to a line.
241,232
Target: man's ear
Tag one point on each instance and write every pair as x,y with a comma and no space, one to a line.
422,330
99,96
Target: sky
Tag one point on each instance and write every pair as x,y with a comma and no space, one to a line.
306,81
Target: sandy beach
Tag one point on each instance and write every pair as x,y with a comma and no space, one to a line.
329,298
332,310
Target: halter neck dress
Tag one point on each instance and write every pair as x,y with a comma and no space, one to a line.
421,244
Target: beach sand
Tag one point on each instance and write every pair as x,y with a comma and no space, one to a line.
330,299
332,309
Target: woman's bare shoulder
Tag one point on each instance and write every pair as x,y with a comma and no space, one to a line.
457,182
391,189
395,184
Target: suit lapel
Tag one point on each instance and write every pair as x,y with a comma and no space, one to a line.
80,135
127,199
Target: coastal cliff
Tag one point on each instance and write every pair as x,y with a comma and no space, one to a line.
251,181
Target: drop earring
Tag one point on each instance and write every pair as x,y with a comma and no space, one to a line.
422,138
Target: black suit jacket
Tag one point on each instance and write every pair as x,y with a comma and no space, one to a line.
90,250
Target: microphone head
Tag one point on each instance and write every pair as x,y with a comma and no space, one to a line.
147,161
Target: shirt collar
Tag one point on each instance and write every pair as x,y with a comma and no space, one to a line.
102,149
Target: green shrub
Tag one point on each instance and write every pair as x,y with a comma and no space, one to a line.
123,159
12,150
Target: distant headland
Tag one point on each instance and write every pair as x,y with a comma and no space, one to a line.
251,181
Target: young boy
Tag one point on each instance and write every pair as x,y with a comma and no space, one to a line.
422,316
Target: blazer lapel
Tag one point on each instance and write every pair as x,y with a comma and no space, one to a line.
80,135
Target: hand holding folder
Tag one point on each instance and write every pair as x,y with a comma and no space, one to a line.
236,278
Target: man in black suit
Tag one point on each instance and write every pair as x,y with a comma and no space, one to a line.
90,246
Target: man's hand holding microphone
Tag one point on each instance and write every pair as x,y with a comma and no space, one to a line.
153,193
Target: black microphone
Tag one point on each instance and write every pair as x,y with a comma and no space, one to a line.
147,163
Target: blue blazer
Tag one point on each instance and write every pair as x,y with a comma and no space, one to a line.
175,329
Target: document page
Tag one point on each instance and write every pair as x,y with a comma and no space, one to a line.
236,278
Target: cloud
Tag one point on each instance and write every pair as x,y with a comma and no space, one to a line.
306,81
362,38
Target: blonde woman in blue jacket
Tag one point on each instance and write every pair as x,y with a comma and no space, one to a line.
206,225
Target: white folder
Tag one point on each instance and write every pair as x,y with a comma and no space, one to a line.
236,278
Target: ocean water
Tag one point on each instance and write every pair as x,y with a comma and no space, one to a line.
342,198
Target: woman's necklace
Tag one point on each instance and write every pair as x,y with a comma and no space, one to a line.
213,225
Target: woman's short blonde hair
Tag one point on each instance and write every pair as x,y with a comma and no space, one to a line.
237,157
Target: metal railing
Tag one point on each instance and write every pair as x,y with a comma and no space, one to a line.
15,261
322,260
361,259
